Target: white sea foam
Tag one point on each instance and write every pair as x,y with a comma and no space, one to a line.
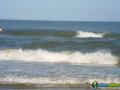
89,34
99,57
59,80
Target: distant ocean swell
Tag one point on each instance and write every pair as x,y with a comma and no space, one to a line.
61,33
98,57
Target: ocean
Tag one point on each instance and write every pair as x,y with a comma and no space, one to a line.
59,53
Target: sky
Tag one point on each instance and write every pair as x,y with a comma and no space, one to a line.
67,10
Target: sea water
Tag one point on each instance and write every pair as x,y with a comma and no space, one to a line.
63,53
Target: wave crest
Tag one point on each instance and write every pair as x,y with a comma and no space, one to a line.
89,34
99,57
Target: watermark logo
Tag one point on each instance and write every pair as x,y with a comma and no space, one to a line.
96,85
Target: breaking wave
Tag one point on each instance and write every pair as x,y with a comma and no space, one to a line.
61,33
99,57
89,34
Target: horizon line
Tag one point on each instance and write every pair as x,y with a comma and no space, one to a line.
60,20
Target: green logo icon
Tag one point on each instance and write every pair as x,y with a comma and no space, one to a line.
95,85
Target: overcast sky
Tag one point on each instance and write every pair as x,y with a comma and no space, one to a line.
68,10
